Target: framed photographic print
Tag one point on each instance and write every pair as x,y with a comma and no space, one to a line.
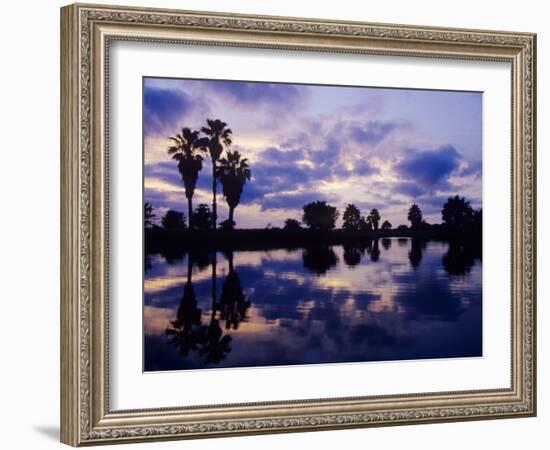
276,224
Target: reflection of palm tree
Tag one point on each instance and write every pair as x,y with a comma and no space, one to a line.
460,257
184,331
352,254
233,304
201,259
219,135
375,252
233,172
386,243
319,259
185,148
402,242
415,253
214,345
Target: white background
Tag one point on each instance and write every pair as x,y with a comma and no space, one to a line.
132,389
29,181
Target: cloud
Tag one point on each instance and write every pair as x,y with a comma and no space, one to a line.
166,171
407,188
363,168
429,169
294,200
471,168
372,132
252,94
164,109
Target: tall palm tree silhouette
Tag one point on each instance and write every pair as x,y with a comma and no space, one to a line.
233,173
185,150
218,136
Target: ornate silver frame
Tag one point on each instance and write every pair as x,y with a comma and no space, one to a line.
86,31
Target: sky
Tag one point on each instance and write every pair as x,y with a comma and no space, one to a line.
373,147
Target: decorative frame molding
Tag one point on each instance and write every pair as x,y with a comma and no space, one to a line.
86,31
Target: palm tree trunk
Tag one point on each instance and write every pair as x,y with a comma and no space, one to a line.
231,211
190,212
214,186
230,260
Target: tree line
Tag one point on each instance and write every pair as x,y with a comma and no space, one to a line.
457,214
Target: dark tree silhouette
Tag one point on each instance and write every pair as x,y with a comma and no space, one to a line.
386,243
185,150
173,220
375,252
415,216
374,218
233,304
352,254
351,218
233,173
215,345
457,213
365,224
202,217
386,225
292,225
184,331
460,257
415,253
320,216
477,221
402,242
218,136
202,258
148,215
319,259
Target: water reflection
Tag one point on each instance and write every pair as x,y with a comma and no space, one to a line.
416,299
415,253
319,259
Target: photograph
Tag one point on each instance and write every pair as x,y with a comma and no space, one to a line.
288,220
297,224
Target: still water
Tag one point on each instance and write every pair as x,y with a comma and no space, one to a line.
388,299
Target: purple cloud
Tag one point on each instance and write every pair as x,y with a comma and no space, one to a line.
430,168
410,189
372,132
472,168
254,93
164,170
163,109
294,200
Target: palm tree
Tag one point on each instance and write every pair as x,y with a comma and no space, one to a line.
457,212
415,216
233,172
374,218
218,136
185,150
